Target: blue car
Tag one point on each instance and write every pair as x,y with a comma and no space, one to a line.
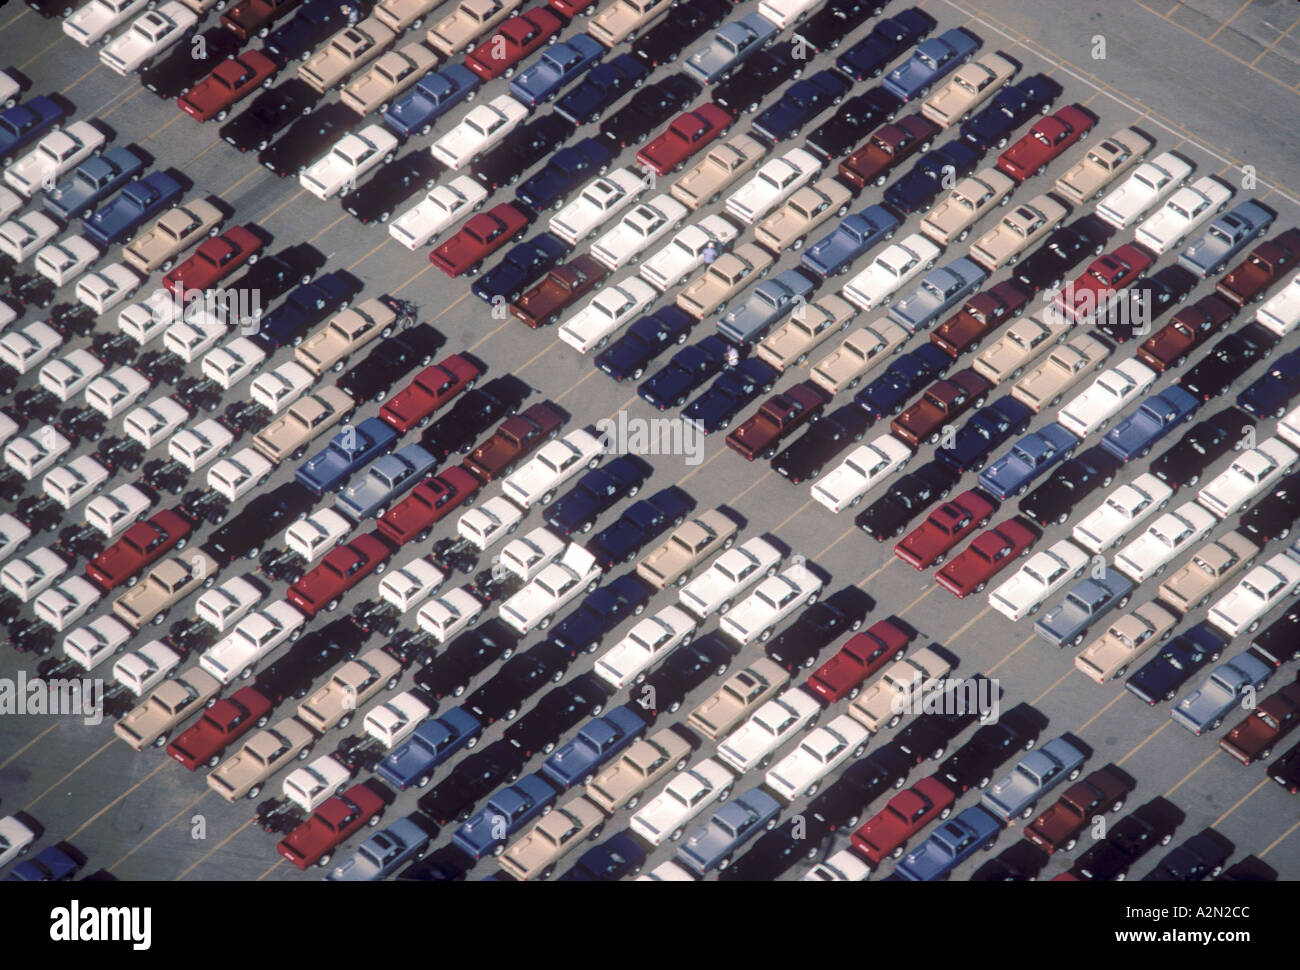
521,267
765,304
119,218
505,814
733,390
596,742
597,491
48,865
557,66
951,844
1028,458
906,375
932,61
1160,678
917,190
432,97
1155,418
429,745
314,21
800,103
1273,393
939,291
564,172
1011,107
1225,237
406,840
688,369
640,524
604,84
91,182
712,845
348,451
858,234
602,610
987,429
727,49
643,341
893,35
617,857
1084,604
24,123
305,307
385,481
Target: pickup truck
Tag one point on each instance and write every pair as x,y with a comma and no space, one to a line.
166,585
885,834
170,704
1254,737
1127,639
1267,263
349,331
1034,775
354,683
140,546
516,438
221,725
535,606
314,841
560,289
431,389
1060,826
431,744
342,568
305,421
942,403
887,148
930,542
429,502
776,418
254,17
713,845
348,451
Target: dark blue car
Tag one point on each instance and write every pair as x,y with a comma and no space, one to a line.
564,172
908,374
597,741
950,845
987,429
305,307
555,67
598,490
521,267
734,389
1155,418
603,85
429,745
505,814
314,21
1028,459
893,35
855,236
617,857
1272,393
641,523
1177,662
602,610
91,182
643,341
688,369
24,123
348,451
1010,108
49,865
432,97
916,190
800,103
118,219
931,62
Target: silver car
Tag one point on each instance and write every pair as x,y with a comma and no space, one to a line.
1204,708
384,481
1034,775
939,291
380,855
730,46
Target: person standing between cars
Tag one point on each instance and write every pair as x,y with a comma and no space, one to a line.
351,13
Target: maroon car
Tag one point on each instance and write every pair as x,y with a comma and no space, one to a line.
519,36
414,517
249,17
562,288
688,133
1275,718
931,541
761,433
1060,826
479,238
1267,263
342,568
1106,276
230,81
861,656
885,834
1190,327
979,316
888,146
943,402
1045,140
214,260
221,725
433,388
516,437
986,556
140,547
315,840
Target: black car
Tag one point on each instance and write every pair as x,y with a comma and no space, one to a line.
1065,248
1136,308
805,457
307,140
1273,516
687,370
391,186
556,712
476,411
178,70
516,681
684,23
1213,374
521,267
563,172
1011,107
842,612
86,423
599,612
448,864
845,802
649,108
844,129
908,497
825,29
1129,840
760,75
917,189
602,87
1204,443
620,856
686,668
313,655
806,836
640,524
468,655
643,341
1202,856
257,521
1286,770
890,37
161,367
1279,642
271,277
389,362
800,103
992,745
1070,483
928,735
270,113
521,150
307,306
481,773
1019,862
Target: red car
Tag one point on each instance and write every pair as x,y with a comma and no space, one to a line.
1275,718
887,832
518,37
230,81
1048,138
221,725
986,556
415,516
1097,287
249,17
929,543
979,316
214,260
689,132
341,569
330,826
571,8
861,656
888,147
432,389
140,547
479,238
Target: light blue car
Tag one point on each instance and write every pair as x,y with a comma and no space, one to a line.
91,182
1034,775
930,63
383,482
1225,237
949,846
1205,708
1158,415
938,292
1028,458
768,302
730,46
555,68
381,854
854,237
349,450
1088,601
429,745
714,844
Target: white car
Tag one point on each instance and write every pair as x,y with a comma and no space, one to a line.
411,584
438,210
1250,474
315,535
670,871
1139,193
54,155
1288,428
352,156
685,252
195,447
241,473
783,13
1255,594
143,669
68,376
891,270
556,462
93,22
687,794
26,348
191,338
535,606
23,235
843,866
1183,212
490,522
1112,391
772,184
606,312
733,572
28,575
529,555
883,704
153,423
149,35
599,201
77,479
1042,575
31,454
646,646
92,644
1152,551
106,288
10,201
225,605
67,602
445,616
310,786
277,389
252,639
1125,508
114,392
1280,313
231,363
146,321
754,618
117,511
638,230
63,261
8,427
15,839
753,743
13,534
802,771
865,468
391,722
482,127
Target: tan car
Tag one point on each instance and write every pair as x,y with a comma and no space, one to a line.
398,15
388,77
203,6
1125,640
536,853
471,20
739,696
623,19
724,163
807,329
846,365
969,87
1019,229
306,420
266,752
642,765
170,704
690,544
165,585
974,196
1065,366
1104,163
788,227
1018,347
344,334
351,49
724,278
1210,567
352,685
175,231
904,682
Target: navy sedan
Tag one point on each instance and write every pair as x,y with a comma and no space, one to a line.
1010,108
734,389
688,369
597,491
917,190
603,85
521,267
800,103
565,171
643,341
639,525
888,393
600,612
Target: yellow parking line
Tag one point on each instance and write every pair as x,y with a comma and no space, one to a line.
752,486
86,824
441,313
1274,844
917,600
37,57
484,339
1148,738
13,20
222,194
72,772
166,824
5,763
535,358
326,229
89,71
1262,783
590,374
1024,643
199,155
216,848
969,623
1185,777
872,575
1223,26
267,217
415,276
700,467
271,870
134,94
777,528
1113,701
1269,48
1059,681
386,241
161,128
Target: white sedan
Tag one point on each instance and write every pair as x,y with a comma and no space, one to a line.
646,645
438,210
715,589
252,639
391,722
752,744
689,792
24,349
1183,212
313,784
54,155
1288,427
772,184
68,376
1111,392
411,584
23,235
1250,474
13,535
77,479
555,463
1152,551
106,288
1042,575
686,251
638,230
756,617
890,271
801,772
528,555
241,473
490,522
153,423
1125,508
1281,312
482,127
15,839
93,22
599,201
62,262
1255,594
143,669
10,201
117,511
112,393
352,156
227,604
195,447
26,576
31,454
67,602
607,311
231,363
445,616
149,35
783,13
535,606
865,468
1150,183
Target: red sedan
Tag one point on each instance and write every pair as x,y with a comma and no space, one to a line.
689,133
341,569
1047,139
1102,281
230,81
214,260
221,725
140,546
886,833
930,542
989,554
315,840
432,389
414,517
861,656
479,238
500,54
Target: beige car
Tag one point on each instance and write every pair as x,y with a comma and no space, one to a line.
969,87
1065,366
622,19
471,20
903,683
739,696
1210,567
648,760
1019,229
690,544
973,197
266,752
724,163
352,685
846,365
171,703
397,15
536,853
1020,344
165,585
788,227
306,420
351,49
388,77
344,334
203,6
1104,163
724,278
176,230
1125,640
807,329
